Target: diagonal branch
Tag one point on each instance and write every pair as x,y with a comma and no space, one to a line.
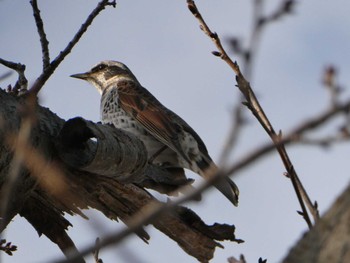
237,125
254,106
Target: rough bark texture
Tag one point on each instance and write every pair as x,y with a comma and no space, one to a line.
329,240
74,165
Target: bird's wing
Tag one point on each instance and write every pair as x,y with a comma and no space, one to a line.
159,122
150,113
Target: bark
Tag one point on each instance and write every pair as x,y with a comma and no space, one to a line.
329,240
75,165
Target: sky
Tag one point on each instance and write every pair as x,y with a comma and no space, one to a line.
161,43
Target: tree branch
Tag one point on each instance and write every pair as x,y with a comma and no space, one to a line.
329,239
45,197
40,81
22,82
43,39
254,106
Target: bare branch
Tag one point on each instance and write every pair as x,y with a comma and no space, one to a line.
292,136
260,21
40,81
253,104
97,251
22,82
43,39
325,142
213,36
286,7
237,124
329,80
5,75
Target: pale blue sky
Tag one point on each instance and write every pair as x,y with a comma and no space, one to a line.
161,43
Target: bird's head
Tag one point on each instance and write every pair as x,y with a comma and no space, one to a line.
105,73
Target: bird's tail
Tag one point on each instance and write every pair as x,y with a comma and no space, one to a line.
225,185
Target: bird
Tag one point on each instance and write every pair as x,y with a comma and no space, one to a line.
169,140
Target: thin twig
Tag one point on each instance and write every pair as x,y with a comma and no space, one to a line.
43,39
232,139
329,80
289,138
40,81
97,251
22,82
260,22
325,141
253,104
5,75
254,41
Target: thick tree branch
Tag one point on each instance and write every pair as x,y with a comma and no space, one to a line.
156,209
48,220
329,240
39,194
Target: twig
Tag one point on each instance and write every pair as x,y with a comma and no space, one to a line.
253,104
22,82
330,83
97,251
43,39
238,122
289,138
5,75
260,21
255,37
40,81
214,37
326,141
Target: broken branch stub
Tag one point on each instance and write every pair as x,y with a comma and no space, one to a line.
102,149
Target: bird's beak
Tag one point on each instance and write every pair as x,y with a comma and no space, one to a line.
80,75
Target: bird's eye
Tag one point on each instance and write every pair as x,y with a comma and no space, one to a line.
99,67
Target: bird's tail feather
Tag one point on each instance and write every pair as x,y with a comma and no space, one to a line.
229,189
225,185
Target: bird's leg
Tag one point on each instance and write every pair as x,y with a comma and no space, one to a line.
154,156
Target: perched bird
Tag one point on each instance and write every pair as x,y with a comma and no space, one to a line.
169,140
